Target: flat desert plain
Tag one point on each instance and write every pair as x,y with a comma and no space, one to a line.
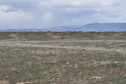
62,57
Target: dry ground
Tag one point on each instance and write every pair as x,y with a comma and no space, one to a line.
63,61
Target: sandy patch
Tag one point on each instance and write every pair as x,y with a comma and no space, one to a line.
4,82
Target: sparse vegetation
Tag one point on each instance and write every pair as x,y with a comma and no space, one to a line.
78,58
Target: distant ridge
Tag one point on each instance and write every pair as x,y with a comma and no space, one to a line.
88,27
104,27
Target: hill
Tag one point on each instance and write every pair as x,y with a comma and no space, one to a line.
102,27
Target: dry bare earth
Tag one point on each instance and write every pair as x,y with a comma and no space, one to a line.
4,82
63,62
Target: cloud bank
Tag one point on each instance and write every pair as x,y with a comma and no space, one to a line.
47,13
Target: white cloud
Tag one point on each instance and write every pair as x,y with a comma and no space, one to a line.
4,8
16,18
43,13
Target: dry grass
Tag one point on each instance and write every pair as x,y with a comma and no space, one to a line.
63,62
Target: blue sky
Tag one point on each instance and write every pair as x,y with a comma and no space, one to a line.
47,13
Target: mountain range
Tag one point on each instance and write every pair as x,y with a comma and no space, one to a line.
88,27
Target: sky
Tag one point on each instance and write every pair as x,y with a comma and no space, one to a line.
20,14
